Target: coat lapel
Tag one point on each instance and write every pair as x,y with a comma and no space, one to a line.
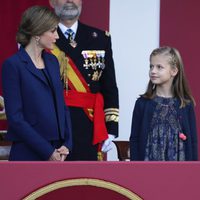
30,66
50,65
83,36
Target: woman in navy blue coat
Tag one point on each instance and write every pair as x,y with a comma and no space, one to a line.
38,120
163,123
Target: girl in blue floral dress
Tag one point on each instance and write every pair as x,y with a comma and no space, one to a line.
163,123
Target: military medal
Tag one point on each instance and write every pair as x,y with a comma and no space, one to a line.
95,60
91,58
70,33
73,43
102,55
85,56
95,76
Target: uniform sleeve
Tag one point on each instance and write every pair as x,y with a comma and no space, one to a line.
110,91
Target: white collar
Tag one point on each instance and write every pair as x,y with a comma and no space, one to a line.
63,28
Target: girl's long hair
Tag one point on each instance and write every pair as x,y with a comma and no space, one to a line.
180,85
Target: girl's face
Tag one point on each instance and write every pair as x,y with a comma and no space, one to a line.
48,38
161,72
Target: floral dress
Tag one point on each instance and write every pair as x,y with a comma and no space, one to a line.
163,142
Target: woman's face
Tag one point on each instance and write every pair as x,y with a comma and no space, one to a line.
48,38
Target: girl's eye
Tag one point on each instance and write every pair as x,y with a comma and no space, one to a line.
160,66
151,66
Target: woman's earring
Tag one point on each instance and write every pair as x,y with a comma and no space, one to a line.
154,87
37,39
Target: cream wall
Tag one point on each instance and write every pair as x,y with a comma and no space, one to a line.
134,27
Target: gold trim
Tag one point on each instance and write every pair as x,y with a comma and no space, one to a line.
112,113
113,118
67,71
111,109
63,61
91,112
2,106
83,181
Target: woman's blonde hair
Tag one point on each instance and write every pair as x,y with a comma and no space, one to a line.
180,86
35,21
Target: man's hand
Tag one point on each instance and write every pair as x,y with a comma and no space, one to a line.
107,144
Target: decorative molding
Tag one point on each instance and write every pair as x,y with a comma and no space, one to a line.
83,182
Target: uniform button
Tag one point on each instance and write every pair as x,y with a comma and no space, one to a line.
88,84
89,75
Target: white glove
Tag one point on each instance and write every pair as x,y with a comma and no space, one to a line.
107,144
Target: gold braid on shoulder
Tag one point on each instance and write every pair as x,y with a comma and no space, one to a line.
63,62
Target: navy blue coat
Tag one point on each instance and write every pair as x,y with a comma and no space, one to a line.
35,119
142,115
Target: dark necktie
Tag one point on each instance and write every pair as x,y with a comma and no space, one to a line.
70,33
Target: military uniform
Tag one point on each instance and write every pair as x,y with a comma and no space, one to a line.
91,54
